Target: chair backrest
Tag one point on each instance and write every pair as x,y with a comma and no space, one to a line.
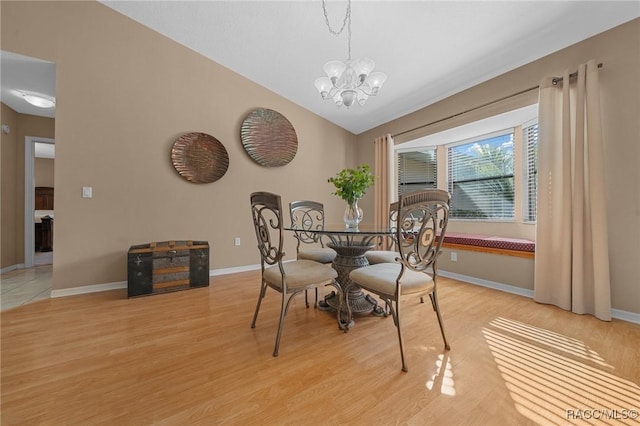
307,215
393,215
393,224
422,222
266,210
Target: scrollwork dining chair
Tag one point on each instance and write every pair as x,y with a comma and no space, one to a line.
307,215
287,278
387,256
422,223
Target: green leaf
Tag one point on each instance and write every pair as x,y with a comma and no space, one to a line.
351,184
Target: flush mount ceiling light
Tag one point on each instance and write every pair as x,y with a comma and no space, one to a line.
352,79
40,101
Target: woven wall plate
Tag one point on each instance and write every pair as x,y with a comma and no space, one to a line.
269,138
199,158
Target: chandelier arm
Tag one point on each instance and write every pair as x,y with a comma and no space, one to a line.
360,87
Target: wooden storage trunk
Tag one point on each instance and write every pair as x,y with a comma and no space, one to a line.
167,266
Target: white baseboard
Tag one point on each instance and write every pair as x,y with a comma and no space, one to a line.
615,313
625,316
226,271
490,284
11,268
95,288
8,269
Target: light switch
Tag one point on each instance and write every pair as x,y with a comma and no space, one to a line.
87,192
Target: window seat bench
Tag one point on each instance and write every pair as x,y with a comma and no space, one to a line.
490,244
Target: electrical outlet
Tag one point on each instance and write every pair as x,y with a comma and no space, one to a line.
237,241
454,256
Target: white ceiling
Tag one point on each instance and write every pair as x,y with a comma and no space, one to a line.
19,74
429,49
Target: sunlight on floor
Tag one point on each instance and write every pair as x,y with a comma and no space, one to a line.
555,379
443,376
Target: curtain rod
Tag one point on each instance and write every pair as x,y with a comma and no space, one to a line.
557,80
466,112
554,81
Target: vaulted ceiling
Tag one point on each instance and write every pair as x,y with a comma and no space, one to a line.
428,49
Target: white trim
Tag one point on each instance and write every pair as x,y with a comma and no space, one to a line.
11,268
95,288
615,313
29,202
625,316
467,131
391,168
474,139
490,284
226,271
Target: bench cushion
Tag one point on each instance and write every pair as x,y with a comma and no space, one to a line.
490,241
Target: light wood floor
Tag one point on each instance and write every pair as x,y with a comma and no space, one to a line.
191,358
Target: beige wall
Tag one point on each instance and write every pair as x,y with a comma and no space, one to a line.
12,232
43,169
619,50
514,271
124,95
8,221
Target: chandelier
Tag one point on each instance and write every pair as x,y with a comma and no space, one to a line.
352,79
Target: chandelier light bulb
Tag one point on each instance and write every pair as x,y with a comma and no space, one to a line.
334,69
375,81
324,85
363,67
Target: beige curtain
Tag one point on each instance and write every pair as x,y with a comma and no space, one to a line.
382,170
572,256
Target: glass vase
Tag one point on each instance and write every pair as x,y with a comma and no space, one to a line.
352,215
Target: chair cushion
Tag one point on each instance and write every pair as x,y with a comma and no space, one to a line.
381,278
381,256
318,254
300,274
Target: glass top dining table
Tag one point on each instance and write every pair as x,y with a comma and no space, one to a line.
351,245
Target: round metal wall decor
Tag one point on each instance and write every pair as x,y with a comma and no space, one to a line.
269,138
199,158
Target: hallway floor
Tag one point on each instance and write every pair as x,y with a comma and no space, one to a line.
22,286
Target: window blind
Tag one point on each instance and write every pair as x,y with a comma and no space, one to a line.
530,139
417,170
480,177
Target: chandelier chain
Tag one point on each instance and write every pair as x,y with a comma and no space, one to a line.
345,23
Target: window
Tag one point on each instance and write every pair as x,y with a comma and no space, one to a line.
417,170
480,177
530,139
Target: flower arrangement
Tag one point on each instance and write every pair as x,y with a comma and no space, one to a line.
351,184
